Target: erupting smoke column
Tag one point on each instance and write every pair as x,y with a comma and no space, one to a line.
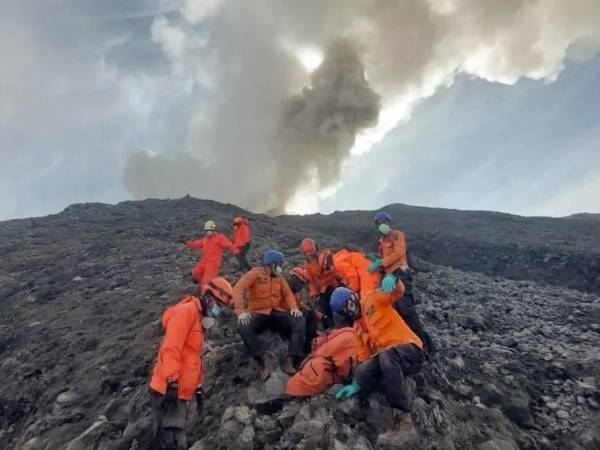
253,142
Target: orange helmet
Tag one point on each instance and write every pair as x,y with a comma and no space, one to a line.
237,220
300,273
220,289
309,247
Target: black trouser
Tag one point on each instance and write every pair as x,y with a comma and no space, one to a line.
406,308
243,257
386,371
325,308
289,327
311,325
169,426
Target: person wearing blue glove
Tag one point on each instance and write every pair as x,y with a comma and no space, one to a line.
388,284
387,349
347,391
375,265
394,262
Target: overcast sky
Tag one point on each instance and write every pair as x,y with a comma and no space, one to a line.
85,86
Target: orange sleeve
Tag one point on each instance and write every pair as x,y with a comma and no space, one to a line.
384,299
362,351
399,250
198,243
287,295
176,333
313,286
348,272
227,244
240,289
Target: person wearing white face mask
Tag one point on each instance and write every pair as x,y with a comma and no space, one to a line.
393,262
270,305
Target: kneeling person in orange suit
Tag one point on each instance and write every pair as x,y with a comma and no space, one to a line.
388,350
178,374
271,306
212,246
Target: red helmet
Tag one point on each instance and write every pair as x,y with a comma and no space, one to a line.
300,273
220,289
309,247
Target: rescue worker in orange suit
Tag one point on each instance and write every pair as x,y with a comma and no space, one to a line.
388,350
297,280
393,262
176,383
322,279
270,305
242,240
352,268
212,246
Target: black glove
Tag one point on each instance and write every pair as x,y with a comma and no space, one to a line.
171,394
199,400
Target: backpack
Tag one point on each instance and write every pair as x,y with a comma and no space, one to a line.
329,362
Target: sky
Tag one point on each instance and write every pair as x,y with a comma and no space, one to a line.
289,106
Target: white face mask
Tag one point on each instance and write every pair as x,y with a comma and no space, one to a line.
277,271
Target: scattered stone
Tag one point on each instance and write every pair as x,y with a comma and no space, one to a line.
498,444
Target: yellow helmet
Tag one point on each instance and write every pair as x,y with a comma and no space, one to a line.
210,225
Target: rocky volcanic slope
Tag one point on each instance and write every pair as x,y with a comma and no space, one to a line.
82,293
564,251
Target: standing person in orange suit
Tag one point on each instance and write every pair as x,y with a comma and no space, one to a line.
393,263
212,246
178,374
242,240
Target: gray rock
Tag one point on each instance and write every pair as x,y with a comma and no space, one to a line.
403,436
498,444
67,398
288,414
562,414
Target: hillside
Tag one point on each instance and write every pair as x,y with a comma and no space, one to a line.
560,251
82,292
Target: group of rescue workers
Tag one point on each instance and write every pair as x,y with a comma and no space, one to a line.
358,326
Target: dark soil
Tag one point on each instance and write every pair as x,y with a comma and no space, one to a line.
82,293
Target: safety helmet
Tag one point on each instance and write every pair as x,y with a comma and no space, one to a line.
237,220
382,216
300,273
339,297
220,289
272,257
308,246
345,302
210,225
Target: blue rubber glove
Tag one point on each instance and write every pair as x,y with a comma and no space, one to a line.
347,391
374,266
388,284
372,256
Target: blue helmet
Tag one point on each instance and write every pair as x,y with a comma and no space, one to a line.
339,298
382,216
272,257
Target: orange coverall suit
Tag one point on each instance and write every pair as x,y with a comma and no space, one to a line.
241,241
270,301
209,265
387,348
322,280
352,267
